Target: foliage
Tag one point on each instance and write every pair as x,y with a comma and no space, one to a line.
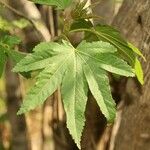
106,33
7,44
75,68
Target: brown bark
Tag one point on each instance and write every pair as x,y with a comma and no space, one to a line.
133,20
105,9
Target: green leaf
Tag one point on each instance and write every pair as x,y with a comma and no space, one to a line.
48,79
47,82
99,85
3,59
109,34
41,57
16,56
139,71
61,4
136,50
96,47
11,41
127,50
106,61
73,69
74,92
81,23
7,44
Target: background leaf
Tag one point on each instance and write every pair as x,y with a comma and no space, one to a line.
11,41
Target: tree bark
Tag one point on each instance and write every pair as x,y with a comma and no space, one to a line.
105,9
133,20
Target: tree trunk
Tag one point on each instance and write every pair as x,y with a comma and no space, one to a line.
133,20
105,9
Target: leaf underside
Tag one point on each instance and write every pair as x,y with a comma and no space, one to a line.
76,70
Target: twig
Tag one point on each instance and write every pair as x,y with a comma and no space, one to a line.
20,14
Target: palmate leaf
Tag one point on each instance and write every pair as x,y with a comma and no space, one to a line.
61,4
74,69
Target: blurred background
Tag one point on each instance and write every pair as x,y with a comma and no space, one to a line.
44,128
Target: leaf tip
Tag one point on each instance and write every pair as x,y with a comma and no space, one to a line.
142,82
111,118
140,79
